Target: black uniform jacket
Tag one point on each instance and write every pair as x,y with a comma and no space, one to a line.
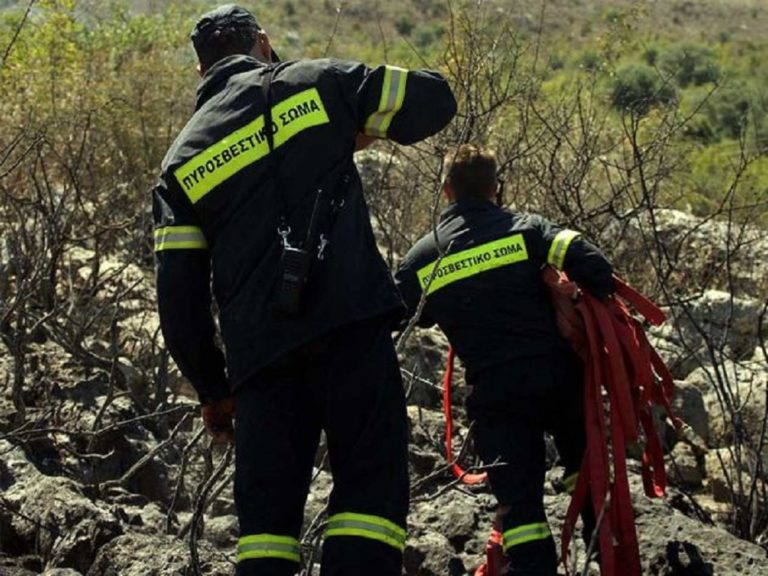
216,207
486,293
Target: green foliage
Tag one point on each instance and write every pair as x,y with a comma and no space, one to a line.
106,96
556,61
651,55
729,110
637,88
711,176
690,65
404,25
590,60
121,80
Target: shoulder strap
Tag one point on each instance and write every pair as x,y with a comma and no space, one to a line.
274,164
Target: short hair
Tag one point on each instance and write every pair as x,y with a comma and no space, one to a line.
471,171
226,41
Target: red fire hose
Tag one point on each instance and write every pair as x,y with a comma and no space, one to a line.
624,379
458,471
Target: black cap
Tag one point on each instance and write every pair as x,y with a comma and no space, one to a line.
226,16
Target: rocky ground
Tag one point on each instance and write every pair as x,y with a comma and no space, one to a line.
106,478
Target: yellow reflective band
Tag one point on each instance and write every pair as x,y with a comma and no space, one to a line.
559,247
570,482
524,534
268,546
392,98
473,261
249,144
366,526
179,238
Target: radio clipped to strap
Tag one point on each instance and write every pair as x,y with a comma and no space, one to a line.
298,258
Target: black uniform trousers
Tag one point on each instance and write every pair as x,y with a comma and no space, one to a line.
348,384
512,405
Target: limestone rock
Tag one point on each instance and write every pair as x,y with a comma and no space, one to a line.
725,474
689,405
140,555
744,383
57,520
682,466
424,362
222,531
728,321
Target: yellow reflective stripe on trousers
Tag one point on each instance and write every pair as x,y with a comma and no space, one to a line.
248,144
179,238
392,98
559,247
473,261
268,546
366,526
524,534
569,482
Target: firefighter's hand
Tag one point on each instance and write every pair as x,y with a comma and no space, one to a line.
363,141
218,419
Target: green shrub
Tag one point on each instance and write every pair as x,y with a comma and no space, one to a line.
651,55
591,61
691,65
637,88
556,61
404,25
729,110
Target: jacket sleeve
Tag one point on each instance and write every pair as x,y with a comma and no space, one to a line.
394,103
407,283
569,251
184,294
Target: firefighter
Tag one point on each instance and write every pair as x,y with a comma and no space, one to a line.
482,275
259,193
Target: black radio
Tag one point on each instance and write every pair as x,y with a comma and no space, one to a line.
292,277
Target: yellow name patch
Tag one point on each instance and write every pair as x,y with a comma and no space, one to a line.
248,144
473,261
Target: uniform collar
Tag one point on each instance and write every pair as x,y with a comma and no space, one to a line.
220,72
465,205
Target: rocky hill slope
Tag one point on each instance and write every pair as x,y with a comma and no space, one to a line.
119,486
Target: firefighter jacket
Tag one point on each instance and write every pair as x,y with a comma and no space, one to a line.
486,292
217,208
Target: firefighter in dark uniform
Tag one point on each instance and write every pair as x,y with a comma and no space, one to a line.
487,295
239,196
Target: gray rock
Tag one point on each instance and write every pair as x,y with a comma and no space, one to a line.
426,433
680,360
725,476
141,555
445,533
729,322
712,241
424,362
432,555
318,497
147,518
222,531
59,522
223,506
689,405
683,467
19,566
745,384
